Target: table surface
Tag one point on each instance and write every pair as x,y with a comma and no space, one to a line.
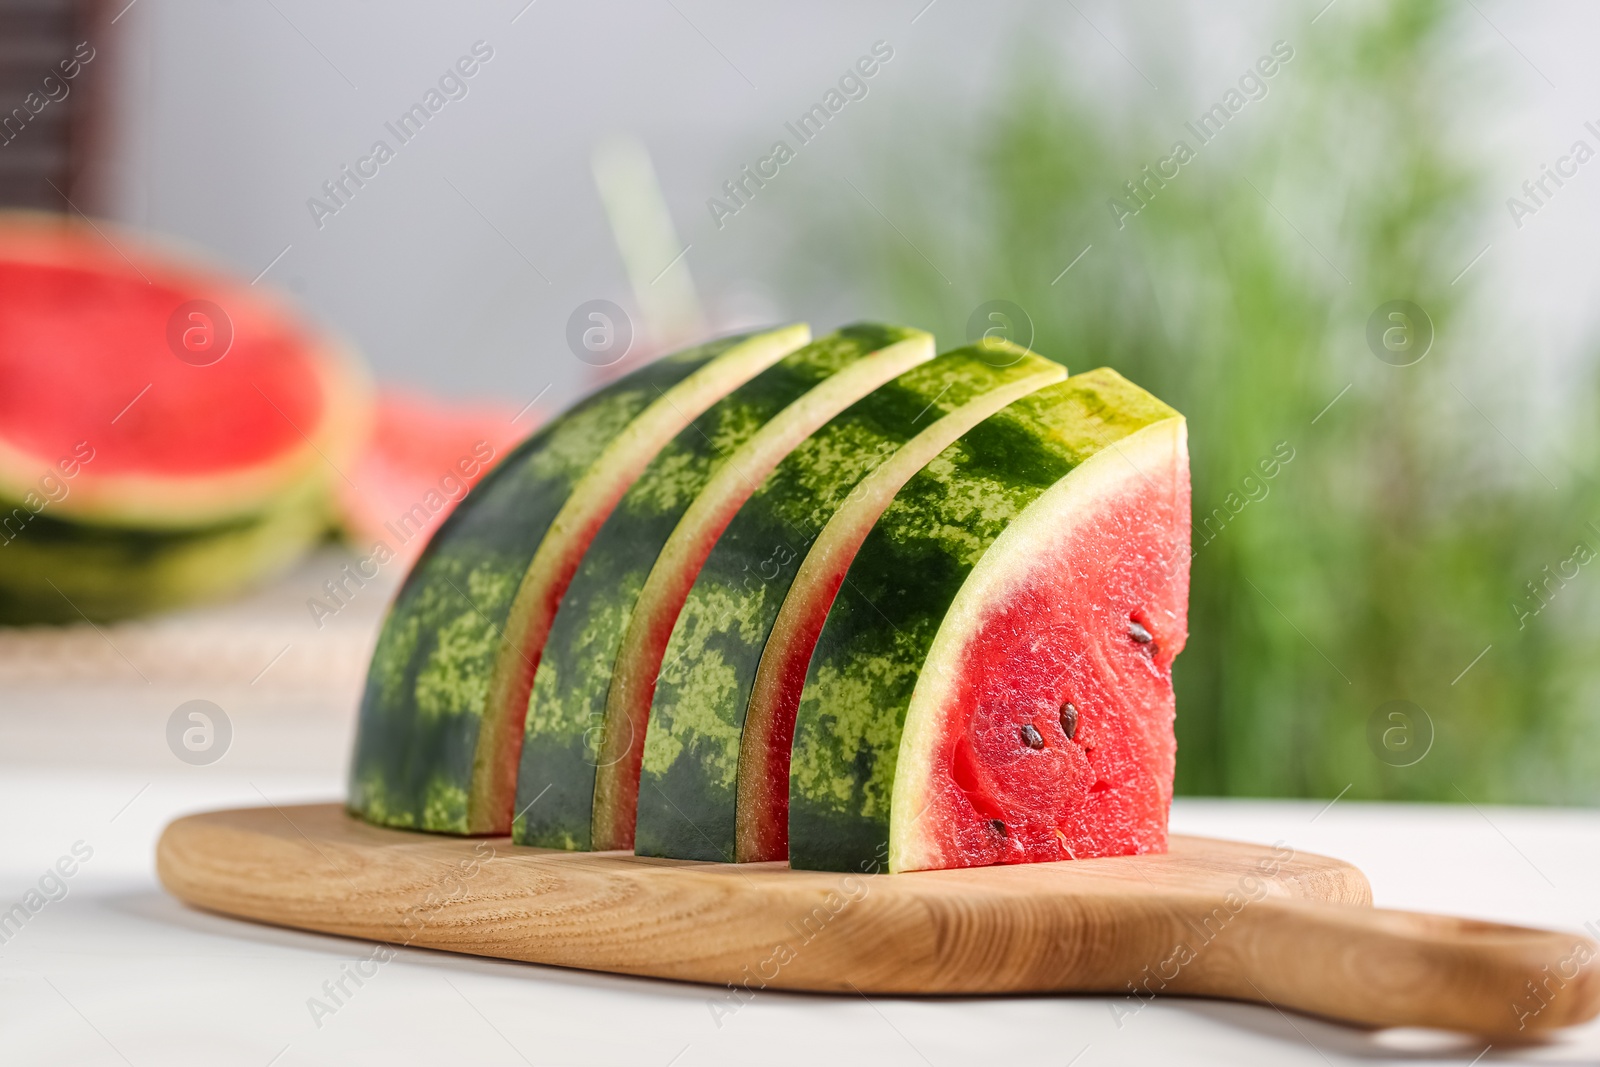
114,971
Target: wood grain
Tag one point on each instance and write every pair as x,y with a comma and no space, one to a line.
1213,918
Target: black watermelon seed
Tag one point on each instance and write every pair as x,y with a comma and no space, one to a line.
1139,633
999,827
1030,736
1069,720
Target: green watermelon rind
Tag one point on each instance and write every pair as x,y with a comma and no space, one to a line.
900,588
688,790
62,570
428,683
564,725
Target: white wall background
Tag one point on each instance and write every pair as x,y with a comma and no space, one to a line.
234,112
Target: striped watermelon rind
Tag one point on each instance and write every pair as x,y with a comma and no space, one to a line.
900,589
429,682
689,787
61,571
566,724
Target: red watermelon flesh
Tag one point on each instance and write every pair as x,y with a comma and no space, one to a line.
1076,635
76,349
254,405
423,456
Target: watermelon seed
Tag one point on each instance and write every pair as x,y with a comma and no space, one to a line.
1139,633
1069,720
1031,737
999,827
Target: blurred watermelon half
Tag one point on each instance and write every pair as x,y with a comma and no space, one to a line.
166,434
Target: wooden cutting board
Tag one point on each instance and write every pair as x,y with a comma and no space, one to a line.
1210,918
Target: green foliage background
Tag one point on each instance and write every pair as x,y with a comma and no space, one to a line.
1389,552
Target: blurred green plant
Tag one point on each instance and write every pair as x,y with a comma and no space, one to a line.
1389,551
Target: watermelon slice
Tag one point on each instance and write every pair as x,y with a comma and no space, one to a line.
420,460
435,666
165,433
591,694
993,682
692,747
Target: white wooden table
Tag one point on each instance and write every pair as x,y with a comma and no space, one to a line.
117,972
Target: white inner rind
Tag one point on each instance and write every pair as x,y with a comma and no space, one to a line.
830,554
1037,534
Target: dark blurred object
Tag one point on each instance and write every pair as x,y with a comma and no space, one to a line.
50,74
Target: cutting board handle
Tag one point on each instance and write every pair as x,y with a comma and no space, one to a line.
1391,968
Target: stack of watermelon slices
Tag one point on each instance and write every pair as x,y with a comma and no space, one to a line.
842,602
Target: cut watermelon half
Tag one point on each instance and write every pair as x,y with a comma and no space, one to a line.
993,682
468,624
737,614
200,400
166,434
584,731
420,460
